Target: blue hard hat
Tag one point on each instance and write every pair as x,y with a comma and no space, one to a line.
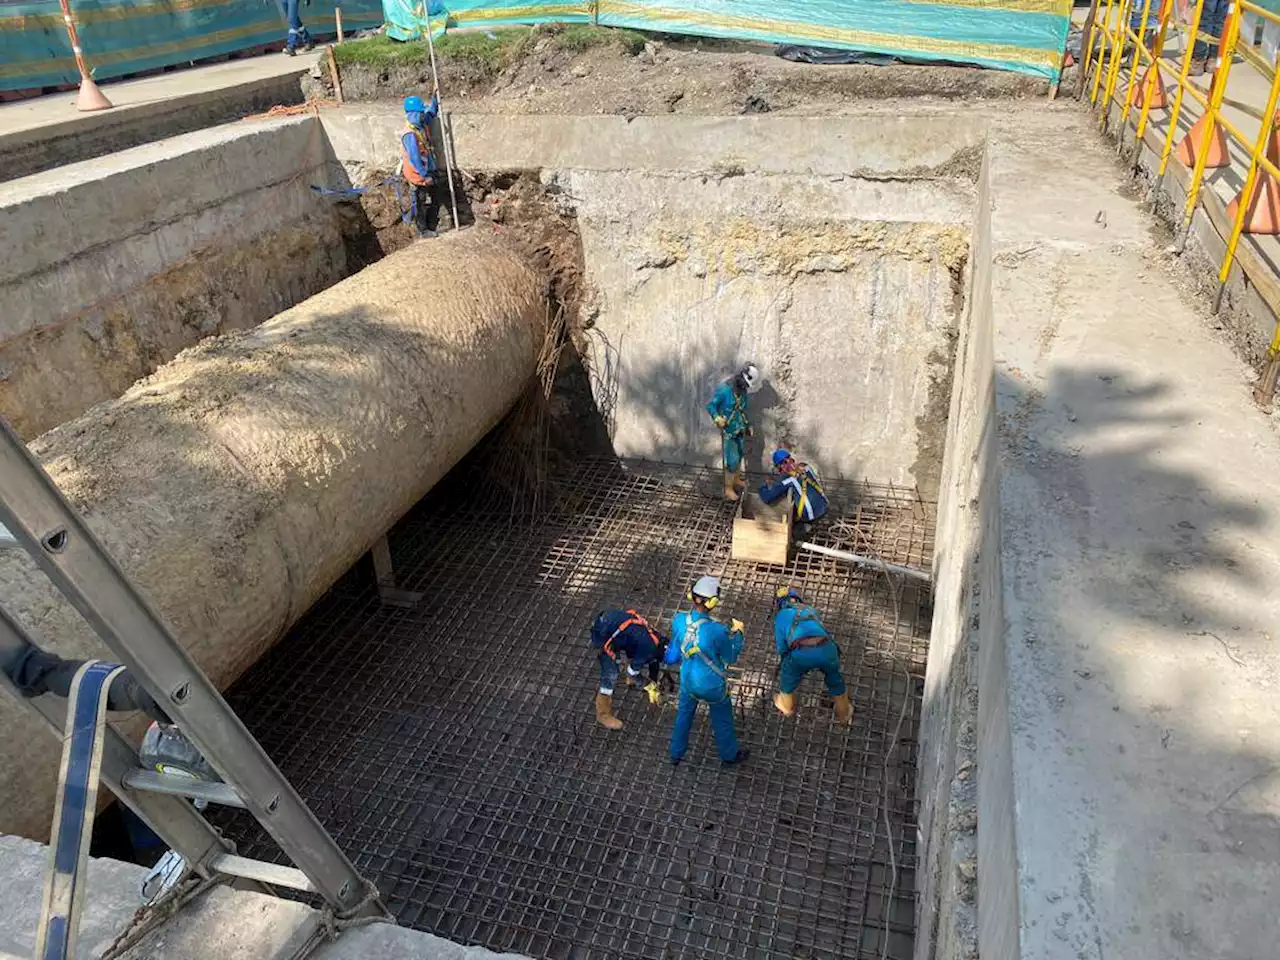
781,456
414,105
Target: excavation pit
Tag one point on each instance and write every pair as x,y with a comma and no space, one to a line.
453,752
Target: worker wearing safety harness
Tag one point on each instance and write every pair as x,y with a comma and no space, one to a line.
800,480
728,409
418,163
618,634
804,644
704,647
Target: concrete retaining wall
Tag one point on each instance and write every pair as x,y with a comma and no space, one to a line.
965,757
112,266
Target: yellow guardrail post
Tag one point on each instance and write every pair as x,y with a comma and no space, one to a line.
1265,391
1166,10
1086,47
1250,183
1192,35
1102,51
1113,64
1138,49
1212,112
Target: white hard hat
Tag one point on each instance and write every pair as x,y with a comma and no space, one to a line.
751,377
707,587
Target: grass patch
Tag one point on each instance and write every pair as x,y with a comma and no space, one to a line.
487,51
579,37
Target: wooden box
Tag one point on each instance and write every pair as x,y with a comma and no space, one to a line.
762,532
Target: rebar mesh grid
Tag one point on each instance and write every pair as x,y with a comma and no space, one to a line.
452,749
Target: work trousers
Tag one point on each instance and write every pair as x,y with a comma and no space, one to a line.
824,657
735,448
298,35
1213,17
721,712
426,206
609,672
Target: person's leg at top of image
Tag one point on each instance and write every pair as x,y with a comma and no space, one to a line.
298,35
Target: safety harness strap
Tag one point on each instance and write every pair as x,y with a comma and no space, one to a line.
689,647
633,619
804,615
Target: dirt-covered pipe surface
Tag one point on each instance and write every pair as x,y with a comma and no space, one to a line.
237,483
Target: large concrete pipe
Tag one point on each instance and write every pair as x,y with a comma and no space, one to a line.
237,483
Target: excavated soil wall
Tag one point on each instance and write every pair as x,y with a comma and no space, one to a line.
242,479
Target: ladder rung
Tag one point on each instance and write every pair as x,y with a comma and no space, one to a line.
220,793
263,872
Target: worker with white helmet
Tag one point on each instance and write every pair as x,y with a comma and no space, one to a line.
728,409
704,647
804,644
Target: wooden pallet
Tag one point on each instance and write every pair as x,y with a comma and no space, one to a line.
761,532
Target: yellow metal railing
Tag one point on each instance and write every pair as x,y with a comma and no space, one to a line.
1104,53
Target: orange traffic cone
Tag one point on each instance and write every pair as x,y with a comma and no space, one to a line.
1190,146
90,97
1263,215
1153,90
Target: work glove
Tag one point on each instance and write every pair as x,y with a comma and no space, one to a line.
720,422
651,688
737,626
751,431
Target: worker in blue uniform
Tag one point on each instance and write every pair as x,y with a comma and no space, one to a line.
804,644
800,481
619,635
704,647
297,32
418,163
728,410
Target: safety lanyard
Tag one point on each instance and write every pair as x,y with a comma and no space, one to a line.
690,648
635,619
803,615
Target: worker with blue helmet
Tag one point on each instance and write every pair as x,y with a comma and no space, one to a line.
704,647
728,410
800,481
418,163
619,635
804,644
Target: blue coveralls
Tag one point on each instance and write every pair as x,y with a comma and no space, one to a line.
795,625
624,633
418,166
704,648
728,403
807,498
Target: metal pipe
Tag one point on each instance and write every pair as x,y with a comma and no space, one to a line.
862,561
444,137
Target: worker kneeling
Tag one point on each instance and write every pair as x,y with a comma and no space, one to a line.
619,634
804,645
800,482
704,647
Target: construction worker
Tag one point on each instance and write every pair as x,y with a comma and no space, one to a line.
297,32
618,634
704,647
418,163
800,480
728,409
804,644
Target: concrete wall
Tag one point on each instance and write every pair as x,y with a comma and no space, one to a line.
965,775
709,241
113,266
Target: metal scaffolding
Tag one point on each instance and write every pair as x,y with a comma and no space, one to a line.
453,752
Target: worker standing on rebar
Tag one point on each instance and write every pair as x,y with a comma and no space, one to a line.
728,409
418,163
704,647
619,634
804,644
800,481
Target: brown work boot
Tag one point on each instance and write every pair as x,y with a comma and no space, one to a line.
604,712
786,703
843,708
731,486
